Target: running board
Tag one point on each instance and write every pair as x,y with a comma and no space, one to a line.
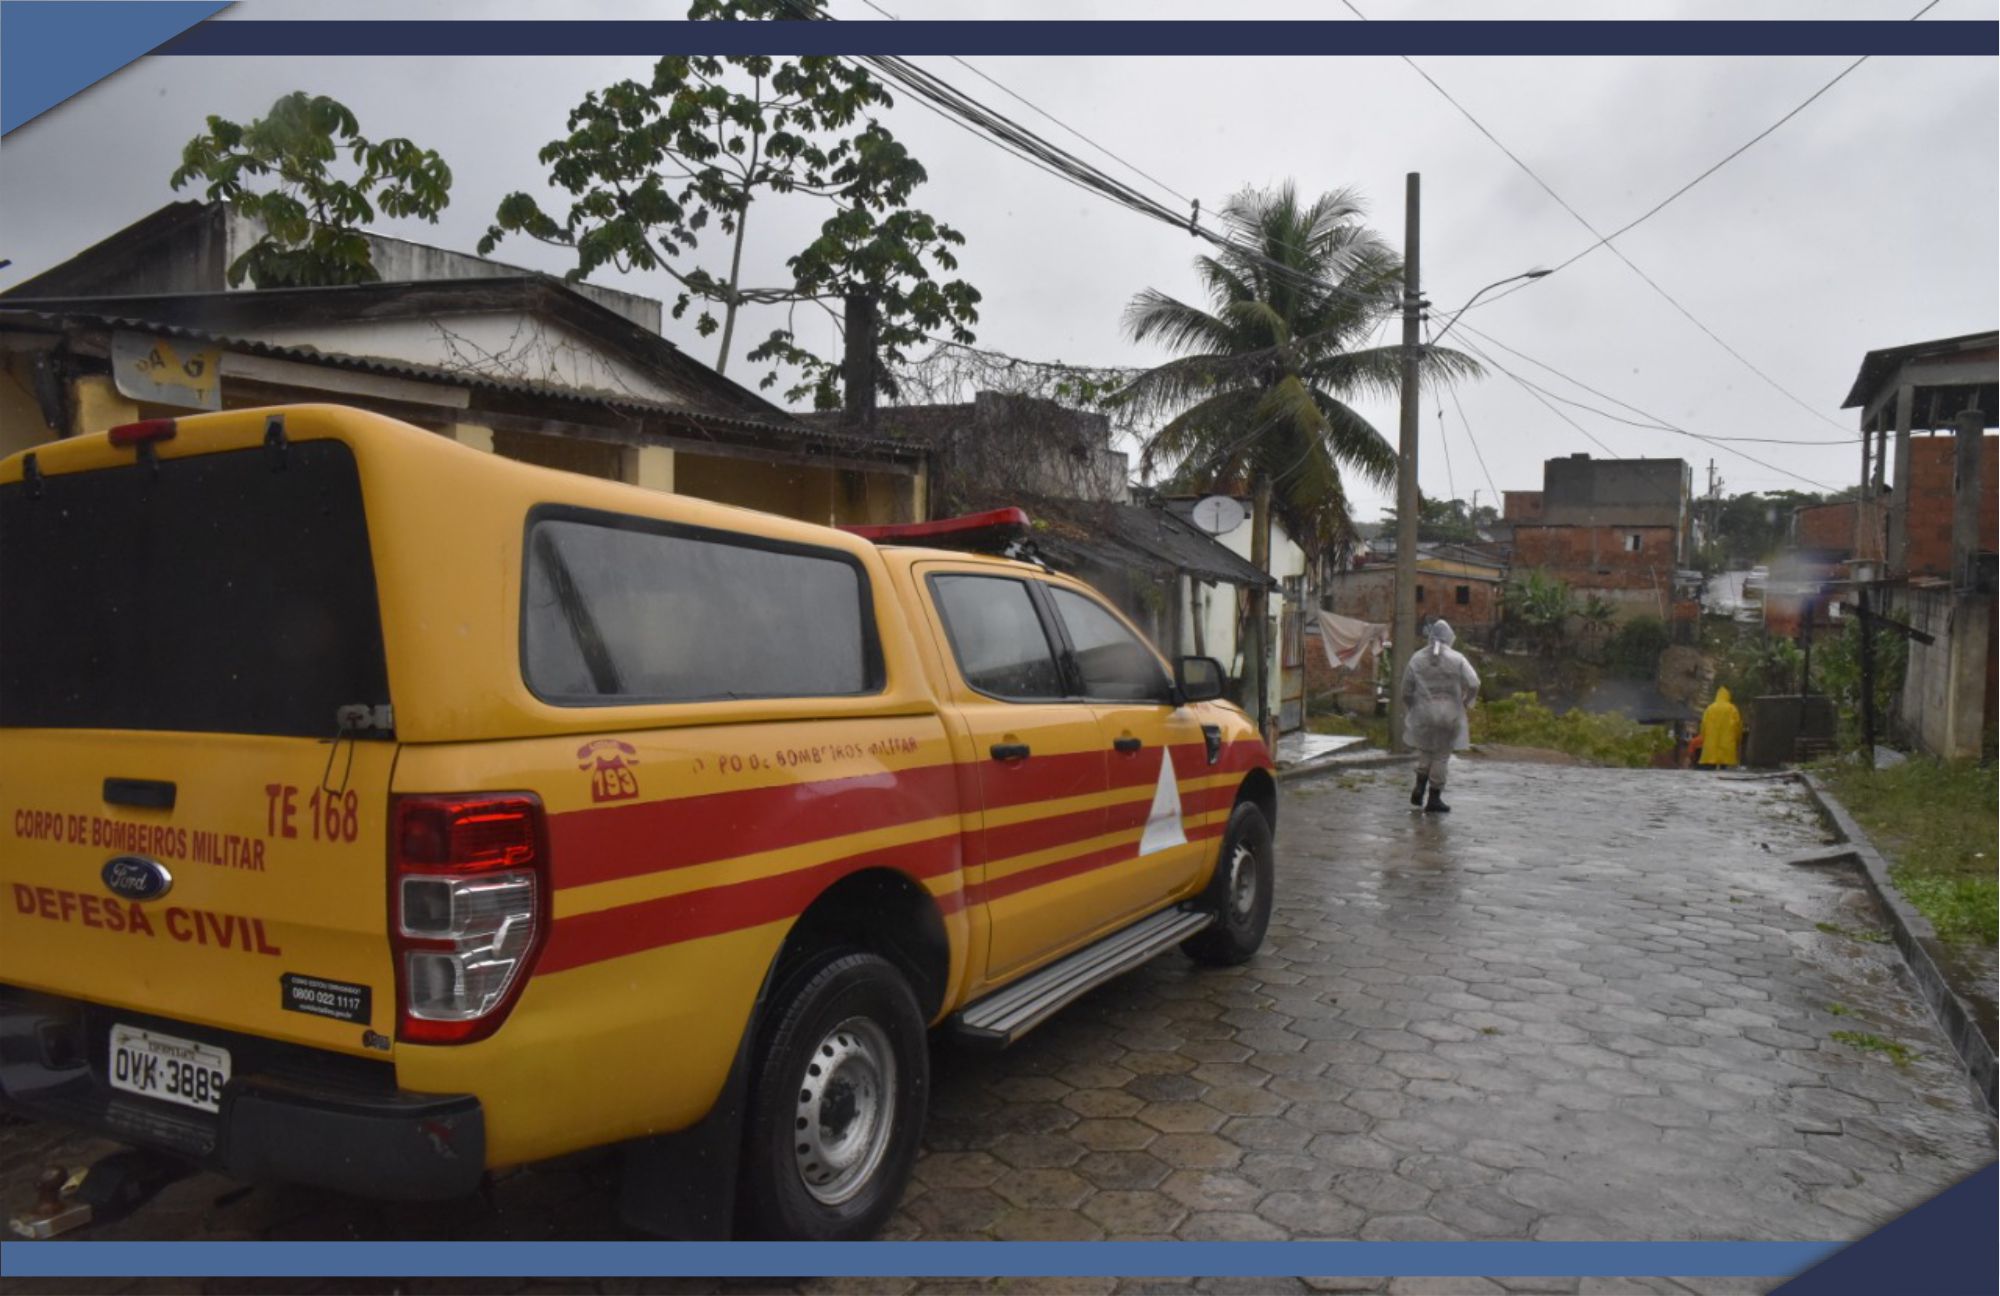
1007,1014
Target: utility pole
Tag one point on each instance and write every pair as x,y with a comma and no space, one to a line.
1404,630
1257,659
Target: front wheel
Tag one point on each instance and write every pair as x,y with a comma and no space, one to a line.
1239,895
841,1086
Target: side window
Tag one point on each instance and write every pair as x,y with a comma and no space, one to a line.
617,611
1117,666
997,637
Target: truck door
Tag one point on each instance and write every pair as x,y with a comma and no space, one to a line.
1040,760
1154,748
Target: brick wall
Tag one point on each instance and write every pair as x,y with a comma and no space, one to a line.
1928,517
1370,595
1600,557
1521,506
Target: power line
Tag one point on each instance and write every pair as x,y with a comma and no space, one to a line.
941,96
1548,399
1659,426
1534,391
1466,423
1604,240
1038,109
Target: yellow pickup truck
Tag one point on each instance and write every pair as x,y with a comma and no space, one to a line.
376,813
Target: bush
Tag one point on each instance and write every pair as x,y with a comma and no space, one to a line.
1634,651
1607,739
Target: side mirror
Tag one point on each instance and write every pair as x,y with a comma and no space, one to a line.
1200,679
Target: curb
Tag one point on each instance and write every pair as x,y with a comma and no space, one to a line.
1336,764
1915,937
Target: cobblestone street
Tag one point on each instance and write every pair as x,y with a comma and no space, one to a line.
1588,1004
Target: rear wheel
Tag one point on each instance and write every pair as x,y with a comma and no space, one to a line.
842,1083
1239,895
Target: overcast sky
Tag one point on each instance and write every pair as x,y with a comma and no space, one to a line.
1868,221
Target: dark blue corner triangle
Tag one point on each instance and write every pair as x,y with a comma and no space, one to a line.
1943,1248
51,49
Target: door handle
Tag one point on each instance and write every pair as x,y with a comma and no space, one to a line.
1127,745
1010,751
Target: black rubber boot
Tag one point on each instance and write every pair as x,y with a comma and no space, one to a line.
1417,797
1436,804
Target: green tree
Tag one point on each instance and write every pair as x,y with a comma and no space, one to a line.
650,166
281,170
1538,604
1443,521
1750,528
1596,614
1260,390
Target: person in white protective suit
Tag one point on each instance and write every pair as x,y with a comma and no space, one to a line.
1438,686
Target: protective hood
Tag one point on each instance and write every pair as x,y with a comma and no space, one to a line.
1442,636
1722,695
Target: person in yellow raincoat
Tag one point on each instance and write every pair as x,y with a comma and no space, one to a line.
1721,730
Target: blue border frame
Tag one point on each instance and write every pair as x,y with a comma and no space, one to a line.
904,1259
1087,37
62,46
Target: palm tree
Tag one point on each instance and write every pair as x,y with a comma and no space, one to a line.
1260,390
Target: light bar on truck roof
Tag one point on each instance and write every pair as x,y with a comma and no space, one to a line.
993,528
142,433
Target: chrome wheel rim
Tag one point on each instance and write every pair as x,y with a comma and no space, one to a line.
845,1112
1242,884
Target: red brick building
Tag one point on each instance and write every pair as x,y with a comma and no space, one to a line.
1927,518
1936,572
1617,528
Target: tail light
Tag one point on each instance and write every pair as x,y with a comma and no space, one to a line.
468,910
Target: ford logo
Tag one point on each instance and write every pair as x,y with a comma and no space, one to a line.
134,877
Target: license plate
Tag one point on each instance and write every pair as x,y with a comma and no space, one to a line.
167,1067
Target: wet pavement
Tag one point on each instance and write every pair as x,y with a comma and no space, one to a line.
1588,1004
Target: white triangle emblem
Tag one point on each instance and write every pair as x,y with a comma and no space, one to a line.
1163,825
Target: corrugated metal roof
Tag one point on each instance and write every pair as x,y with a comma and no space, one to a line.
1877,366
1131,536
695,415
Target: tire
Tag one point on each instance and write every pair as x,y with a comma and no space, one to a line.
1239,895
846,1054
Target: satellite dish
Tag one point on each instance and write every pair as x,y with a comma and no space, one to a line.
1218,515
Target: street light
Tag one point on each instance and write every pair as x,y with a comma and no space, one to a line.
1532,274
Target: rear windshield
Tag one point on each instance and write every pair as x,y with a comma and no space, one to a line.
620,610
217,594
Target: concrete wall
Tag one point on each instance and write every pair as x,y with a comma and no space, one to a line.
499,344
1216,606
1582,491
21,425
830,496
1947,703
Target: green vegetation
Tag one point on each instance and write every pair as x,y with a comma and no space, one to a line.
280,170
1853,933
1522,721
1936,822
1374,728
1634,650
1840,1010
1900,1054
